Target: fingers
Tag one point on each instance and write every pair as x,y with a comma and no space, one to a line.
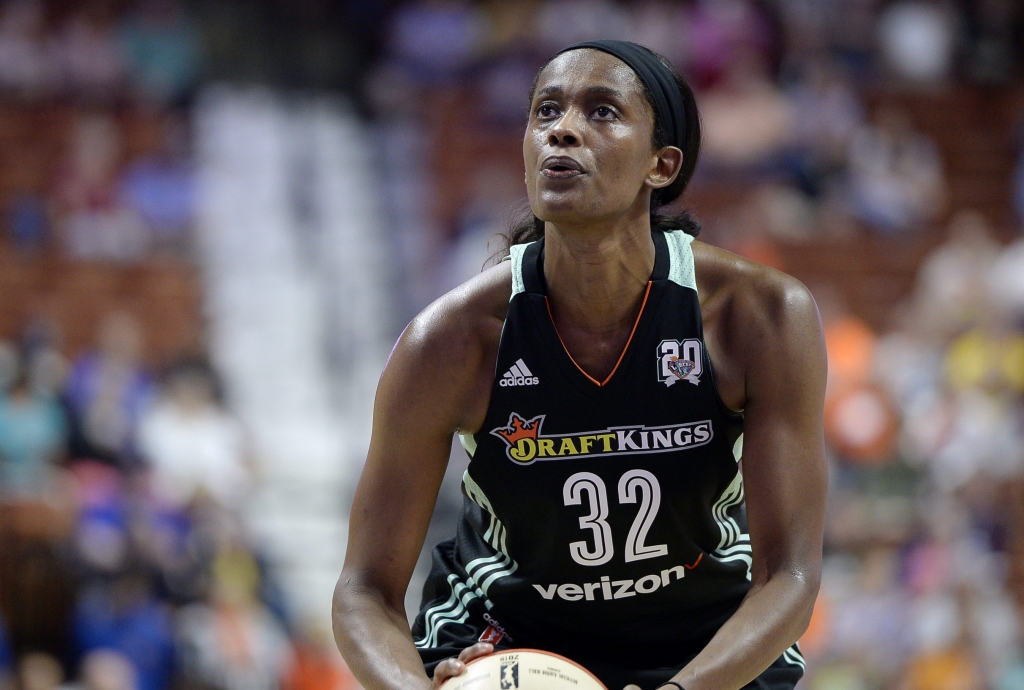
478,650
449,668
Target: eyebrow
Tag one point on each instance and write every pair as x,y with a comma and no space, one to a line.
555,90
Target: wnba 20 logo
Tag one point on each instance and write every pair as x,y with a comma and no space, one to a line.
679,361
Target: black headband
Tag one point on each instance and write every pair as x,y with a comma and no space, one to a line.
668,101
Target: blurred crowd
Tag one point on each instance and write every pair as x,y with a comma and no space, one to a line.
96,92
925,424
147,51
126,560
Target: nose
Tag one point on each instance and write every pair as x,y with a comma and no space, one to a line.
566,131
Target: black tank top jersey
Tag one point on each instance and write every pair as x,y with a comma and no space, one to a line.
600,517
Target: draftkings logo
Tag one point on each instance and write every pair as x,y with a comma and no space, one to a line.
525,443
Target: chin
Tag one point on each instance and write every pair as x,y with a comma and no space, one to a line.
556,208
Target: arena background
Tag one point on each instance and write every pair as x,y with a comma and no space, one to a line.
217,216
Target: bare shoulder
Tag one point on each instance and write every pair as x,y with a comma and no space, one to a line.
465,318
446,354
752,297
762,329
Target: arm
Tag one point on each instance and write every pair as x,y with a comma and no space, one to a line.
432,385
773,334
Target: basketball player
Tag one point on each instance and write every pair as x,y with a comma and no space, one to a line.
605,381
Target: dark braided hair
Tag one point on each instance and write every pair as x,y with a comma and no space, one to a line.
526,227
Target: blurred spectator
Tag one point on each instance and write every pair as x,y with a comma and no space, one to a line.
33,435
26,218
109,389
6,659
896,175
664,27
954,668
41,342
917,39
162,49
233,644
860,422
748,122
723,33
125,616
192,443
93,222
40,671
990,50
1011,677
160,190
829,112
1006,281
316,664
106,669
27,66
91,63
563,22
436,40
849,340
952,281
102,537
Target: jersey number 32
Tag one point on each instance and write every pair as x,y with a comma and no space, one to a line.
634,486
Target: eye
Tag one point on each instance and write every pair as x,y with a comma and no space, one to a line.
604,112
546,110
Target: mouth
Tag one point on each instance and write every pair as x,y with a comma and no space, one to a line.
560,168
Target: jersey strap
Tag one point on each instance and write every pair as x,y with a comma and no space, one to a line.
516,252
681,265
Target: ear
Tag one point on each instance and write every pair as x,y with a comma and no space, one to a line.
665,167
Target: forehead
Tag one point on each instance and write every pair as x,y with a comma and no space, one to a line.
588,68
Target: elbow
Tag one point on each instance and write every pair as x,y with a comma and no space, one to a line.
348,594
356,595
809,584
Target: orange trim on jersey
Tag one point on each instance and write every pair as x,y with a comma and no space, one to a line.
695,563
624,350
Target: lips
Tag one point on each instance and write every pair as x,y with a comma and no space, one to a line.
560,168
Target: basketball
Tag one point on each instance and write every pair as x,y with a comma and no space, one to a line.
524,669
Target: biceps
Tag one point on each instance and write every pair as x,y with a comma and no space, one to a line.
392,507
395,497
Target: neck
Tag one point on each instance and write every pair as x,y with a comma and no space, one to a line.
597,276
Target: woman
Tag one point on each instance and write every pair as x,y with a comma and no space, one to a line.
603,382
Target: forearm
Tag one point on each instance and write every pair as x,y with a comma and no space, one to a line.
771,618
374,638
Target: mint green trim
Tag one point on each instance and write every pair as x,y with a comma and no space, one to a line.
468,442
680,252
476,494
516,254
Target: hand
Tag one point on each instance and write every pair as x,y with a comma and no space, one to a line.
632,687
449,668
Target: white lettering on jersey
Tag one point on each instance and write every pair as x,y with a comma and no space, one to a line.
608,589
518,375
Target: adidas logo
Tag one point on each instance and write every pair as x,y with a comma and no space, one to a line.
518,375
